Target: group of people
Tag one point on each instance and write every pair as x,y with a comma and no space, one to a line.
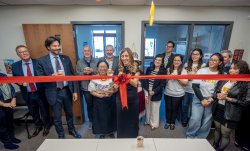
196,103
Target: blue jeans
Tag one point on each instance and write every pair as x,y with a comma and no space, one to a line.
186,104
200,121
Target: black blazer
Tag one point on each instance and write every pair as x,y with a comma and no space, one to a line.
233,109
45,68
158,84
170,59
17,70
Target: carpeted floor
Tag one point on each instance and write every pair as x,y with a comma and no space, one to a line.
33,143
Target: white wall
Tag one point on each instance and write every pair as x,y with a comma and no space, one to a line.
12,18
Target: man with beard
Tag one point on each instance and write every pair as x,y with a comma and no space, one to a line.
59,93
112,60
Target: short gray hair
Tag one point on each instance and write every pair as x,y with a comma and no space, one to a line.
86,46
110,46
227,51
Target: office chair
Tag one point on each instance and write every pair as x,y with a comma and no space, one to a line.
21,112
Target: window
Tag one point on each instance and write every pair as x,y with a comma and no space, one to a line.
102,38
149,47
98,36
211,37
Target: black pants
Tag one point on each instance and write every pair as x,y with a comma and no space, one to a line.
172,105
89,100
6,125
37,104
63,99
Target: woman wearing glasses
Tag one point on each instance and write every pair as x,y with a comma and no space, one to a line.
201,118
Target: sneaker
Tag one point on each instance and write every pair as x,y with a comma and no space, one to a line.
146,123
184,124
172,126
166,126
11,146
90,125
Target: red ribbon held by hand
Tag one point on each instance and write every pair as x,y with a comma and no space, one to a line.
122,80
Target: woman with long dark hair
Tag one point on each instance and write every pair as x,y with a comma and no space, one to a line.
231,97
174,91
201,118
128,118
153,88
192,66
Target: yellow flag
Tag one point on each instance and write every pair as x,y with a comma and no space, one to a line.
152,13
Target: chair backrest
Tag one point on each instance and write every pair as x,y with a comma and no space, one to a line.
19,99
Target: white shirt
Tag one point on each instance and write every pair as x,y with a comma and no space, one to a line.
206,86
174,88
53,62
188,87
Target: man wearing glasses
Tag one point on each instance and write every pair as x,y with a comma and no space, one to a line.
168,55
33,93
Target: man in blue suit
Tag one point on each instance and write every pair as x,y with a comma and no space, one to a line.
33,93
59,93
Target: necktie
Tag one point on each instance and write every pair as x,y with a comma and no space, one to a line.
58,67
32,85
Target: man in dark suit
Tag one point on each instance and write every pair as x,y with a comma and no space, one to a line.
59,93
112,60
33,93
168,55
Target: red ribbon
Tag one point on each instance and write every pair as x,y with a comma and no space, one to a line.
122,80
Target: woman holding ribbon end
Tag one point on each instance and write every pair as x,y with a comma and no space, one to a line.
128,104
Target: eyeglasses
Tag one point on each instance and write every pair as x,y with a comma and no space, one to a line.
195,54
22,52
214,61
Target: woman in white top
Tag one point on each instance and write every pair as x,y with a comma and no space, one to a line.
192,66
201,118
104,113
174,92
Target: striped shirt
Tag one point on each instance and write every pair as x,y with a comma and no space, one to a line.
151,81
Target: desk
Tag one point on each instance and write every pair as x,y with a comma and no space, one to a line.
165,144
125,145
150,144
69,145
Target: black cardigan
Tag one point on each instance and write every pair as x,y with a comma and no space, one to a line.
158,84
233,109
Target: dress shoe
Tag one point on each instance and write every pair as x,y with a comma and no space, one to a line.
45,132
61,137
37,131
10,146
112,135
167,126
75,134
102,136
15,140
172,126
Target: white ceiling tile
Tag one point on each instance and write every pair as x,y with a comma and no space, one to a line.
130,2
